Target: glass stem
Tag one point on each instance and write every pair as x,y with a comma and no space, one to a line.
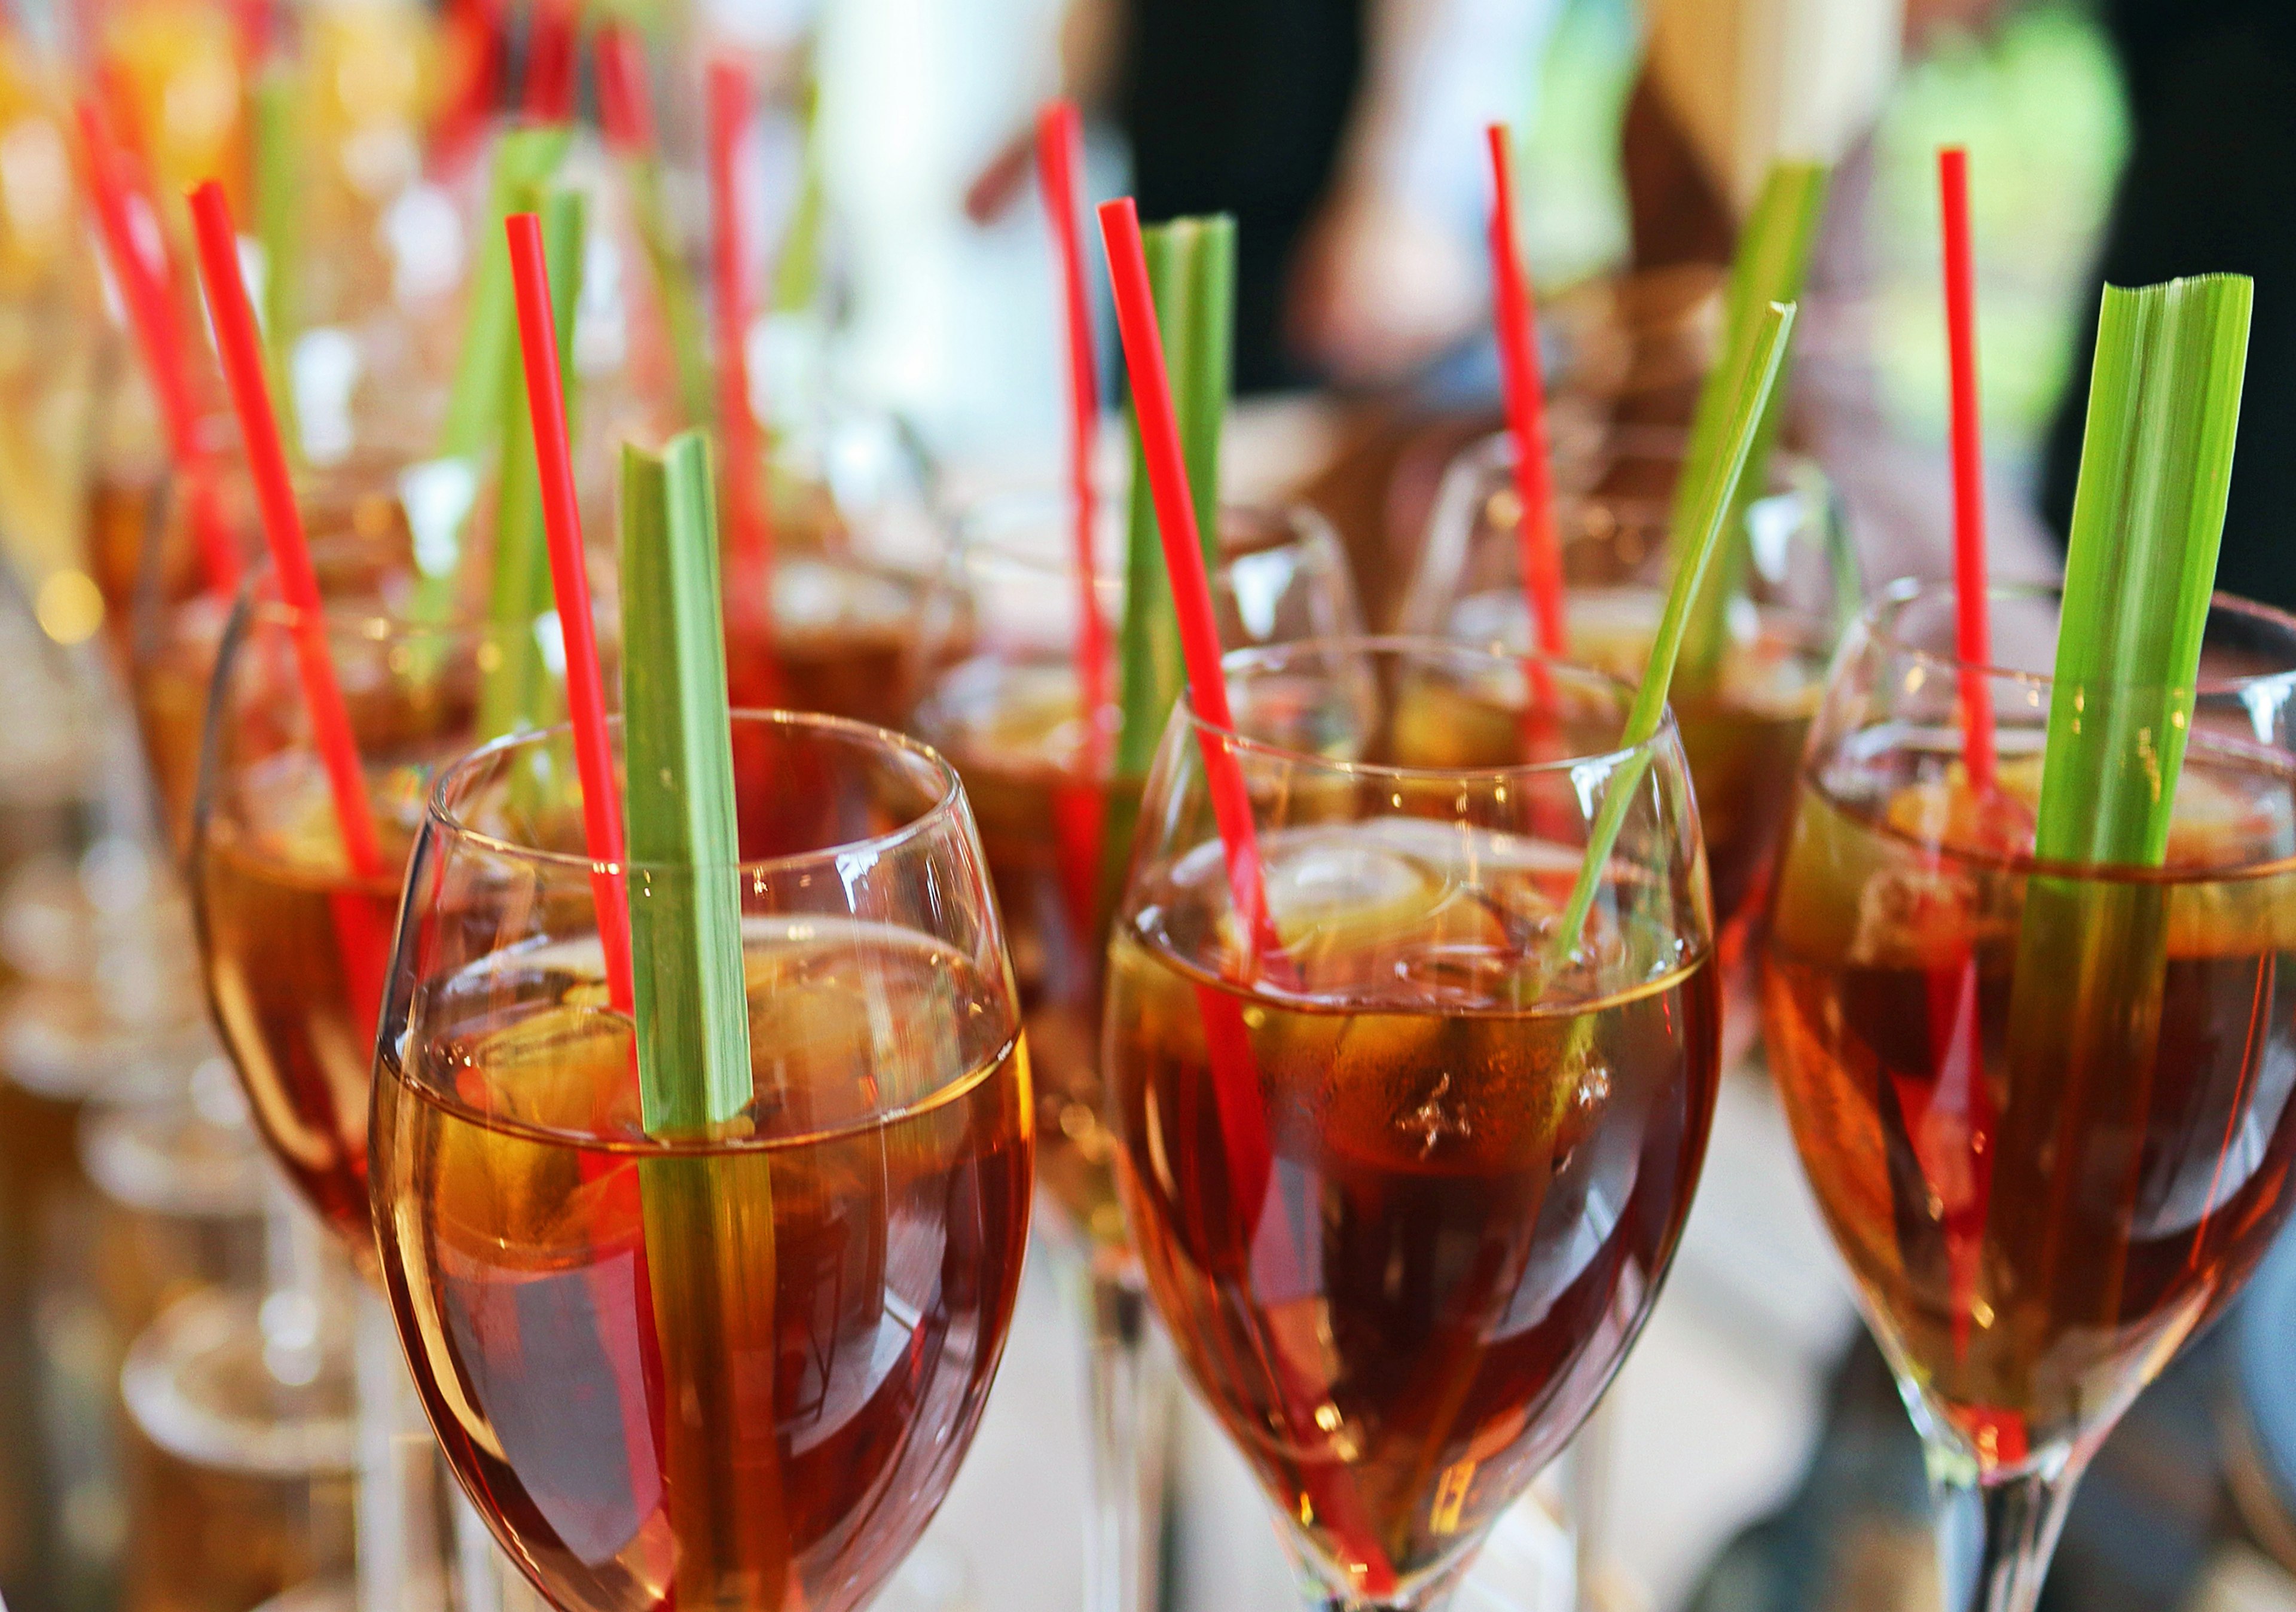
1995,1538
1587,1484
402,1555
1129,1415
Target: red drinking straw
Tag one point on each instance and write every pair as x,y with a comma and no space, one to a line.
752,545
474,30
160,337
282,524
1526,402
1184,558
1959,1100
570,581
1059,139
625,100
1235,1079
1975,637
551,48
1081,812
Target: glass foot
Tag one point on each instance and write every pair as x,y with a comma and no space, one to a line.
211,1382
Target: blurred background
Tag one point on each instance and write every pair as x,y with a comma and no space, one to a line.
1757,1457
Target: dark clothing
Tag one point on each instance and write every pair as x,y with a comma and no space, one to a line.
2211,87
1239,106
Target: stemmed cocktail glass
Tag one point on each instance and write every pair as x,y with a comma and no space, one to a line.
295,938
738,1367
1798,589
2036,1212
1406,1167
1003,700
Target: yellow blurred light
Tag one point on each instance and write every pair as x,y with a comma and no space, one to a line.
70,607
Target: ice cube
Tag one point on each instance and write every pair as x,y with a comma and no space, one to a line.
1352,907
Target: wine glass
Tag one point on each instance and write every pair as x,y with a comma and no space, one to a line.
2041,1189
1405,1165
1003,700
1743,729
294,940
741,1364
855,548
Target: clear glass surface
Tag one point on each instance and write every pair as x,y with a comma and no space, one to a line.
2044,1108
1743,729
739,1363
1405,1168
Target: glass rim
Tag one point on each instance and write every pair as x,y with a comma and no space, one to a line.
1266,656
256,600
1892,601
1300,521
440,811
1494,450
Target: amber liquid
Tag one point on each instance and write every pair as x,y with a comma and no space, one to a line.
2040,1197
168,686
296,950
1016,740
739,1372
840,640
1407,1303
1742,738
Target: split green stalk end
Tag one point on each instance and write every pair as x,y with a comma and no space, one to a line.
686,893
1715,501
2148,516
1773,260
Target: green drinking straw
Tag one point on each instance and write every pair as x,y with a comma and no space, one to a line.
1721,475
518,691
2092,954
1773,260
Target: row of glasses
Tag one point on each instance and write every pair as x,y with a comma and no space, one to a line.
2033,1222
541,1250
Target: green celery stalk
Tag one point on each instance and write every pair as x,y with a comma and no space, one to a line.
674,281
686,914
1192,267
2148,516
1206,369
523,163
2092,953
1721,476
710,1258
797,273
518,691
1773,260
276,111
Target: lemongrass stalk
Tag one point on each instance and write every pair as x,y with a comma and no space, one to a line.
2092,952
1773,260
709,1237
1721,476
